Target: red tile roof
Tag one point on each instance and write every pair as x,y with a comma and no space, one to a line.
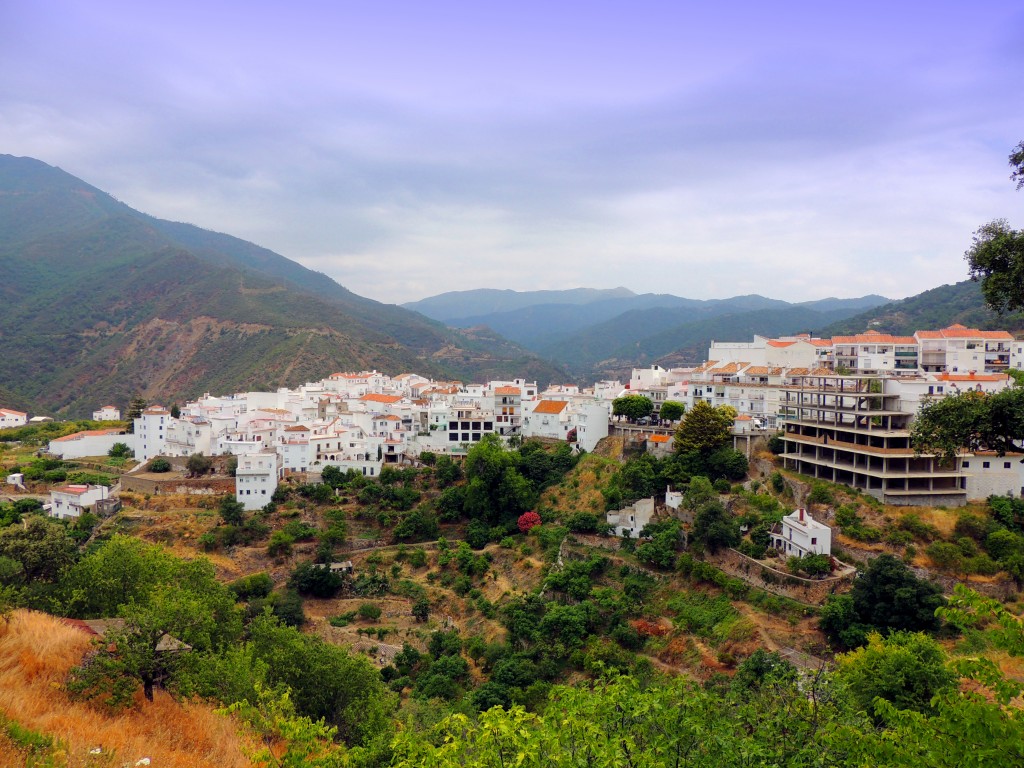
374,398
550,406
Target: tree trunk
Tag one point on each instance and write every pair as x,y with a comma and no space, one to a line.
147,688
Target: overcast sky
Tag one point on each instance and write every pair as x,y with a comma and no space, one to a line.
797,150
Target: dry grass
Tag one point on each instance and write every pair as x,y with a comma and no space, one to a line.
36,653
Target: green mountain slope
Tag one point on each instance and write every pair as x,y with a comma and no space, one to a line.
102,302
937,308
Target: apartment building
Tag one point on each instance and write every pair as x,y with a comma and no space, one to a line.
852,430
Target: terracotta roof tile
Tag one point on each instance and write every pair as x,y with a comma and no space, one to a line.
551,406
374,398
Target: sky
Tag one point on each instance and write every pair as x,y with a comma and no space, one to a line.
796,150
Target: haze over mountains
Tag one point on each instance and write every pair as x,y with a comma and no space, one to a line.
99,302
605,333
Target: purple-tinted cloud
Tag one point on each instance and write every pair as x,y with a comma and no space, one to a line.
408,148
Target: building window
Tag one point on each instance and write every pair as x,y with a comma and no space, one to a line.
1006,465
967,464
814,540
986,464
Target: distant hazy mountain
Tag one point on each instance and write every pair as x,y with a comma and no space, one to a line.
456,305
99,302
597,333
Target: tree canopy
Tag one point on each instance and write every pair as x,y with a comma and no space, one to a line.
970,421
633,407
705,428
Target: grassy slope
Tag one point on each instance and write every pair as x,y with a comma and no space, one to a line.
36,652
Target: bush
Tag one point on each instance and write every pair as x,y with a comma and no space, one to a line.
369,612
280,544
256,585
529,520
721,485
159,465
311,579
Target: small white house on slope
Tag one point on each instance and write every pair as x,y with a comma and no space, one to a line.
799,535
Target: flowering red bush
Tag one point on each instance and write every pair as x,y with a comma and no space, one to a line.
528,520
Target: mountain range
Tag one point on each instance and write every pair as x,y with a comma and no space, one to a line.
99,302
603,334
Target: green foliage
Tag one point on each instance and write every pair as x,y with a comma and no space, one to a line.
369,611
120,450
705,428
970,421
231,511
996,260
633,407
664,541
253,586
198,465
906,669
887,597
41,546
159,465
671,410
714,528
315,580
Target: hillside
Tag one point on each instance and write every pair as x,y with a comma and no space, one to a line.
101,302
938,308
36,652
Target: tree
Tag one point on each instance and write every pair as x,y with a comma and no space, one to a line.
671,410
119,450
528,520
231,510
714,527
42,547
159,465
888,596
421,609
1017,163
705,428
135,409
633,407
970,421
906,669
198,465
996,260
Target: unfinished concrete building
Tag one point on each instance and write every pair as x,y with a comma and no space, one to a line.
851,430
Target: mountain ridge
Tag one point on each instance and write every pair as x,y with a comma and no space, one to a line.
105,302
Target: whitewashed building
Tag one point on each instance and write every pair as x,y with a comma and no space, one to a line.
151,432
107,413
11,418
91,442
69,502
799,535
256,479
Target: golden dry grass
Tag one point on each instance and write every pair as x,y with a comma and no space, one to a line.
36,653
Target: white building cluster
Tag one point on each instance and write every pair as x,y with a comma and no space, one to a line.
362,422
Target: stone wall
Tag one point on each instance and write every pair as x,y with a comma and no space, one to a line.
778,582
198,486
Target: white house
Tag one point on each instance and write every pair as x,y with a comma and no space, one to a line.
630,521
987,474
256,479
151,432
9,418
91,442
799,534
69,502
107,413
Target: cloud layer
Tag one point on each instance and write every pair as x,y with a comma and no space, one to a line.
410,149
